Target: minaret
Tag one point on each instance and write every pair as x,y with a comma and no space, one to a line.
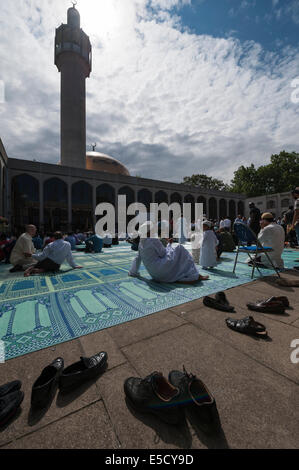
73,60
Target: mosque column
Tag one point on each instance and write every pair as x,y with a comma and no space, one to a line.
94,204
41,205
69,206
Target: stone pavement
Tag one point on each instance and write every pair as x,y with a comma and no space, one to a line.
253,380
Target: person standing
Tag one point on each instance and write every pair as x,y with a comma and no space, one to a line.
295,222
255,217
21,255
208,246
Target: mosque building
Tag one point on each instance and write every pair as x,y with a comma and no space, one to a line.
64,196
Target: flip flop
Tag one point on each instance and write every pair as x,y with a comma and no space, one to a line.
287,282
247,326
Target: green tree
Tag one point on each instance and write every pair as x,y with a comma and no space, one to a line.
206,182
280,175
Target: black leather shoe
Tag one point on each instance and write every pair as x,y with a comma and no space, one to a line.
10,387
44,386
155,395
85,369
9,405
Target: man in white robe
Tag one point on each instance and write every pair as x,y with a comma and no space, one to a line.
271,235
21,255
164,264
208,246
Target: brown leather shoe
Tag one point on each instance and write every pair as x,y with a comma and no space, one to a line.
284,300
267,306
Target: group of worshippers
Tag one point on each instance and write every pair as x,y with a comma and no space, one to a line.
163,261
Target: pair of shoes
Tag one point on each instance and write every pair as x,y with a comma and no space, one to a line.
67,379
11,398
16,268
165,398
219,303
247,326
271,305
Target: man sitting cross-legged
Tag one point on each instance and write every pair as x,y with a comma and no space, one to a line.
53,255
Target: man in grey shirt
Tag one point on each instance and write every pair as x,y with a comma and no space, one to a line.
53,255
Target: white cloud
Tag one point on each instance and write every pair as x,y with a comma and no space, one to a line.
167,103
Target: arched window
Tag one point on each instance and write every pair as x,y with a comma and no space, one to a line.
175,197
160,197
212,209
55,205
285,203
222,208
202,200
189,199
25,201
82,206
105,193
145,197
270,204
232,210
130,199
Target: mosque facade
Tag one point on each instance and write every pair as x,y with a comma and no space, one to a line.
64,196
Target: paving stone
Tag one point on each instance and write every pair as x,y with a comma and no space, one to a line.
89,428
258,408
102,341
274,352
136,430
27,369
145,327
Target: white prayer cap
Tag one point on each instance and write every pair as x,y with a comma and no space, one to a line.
207,222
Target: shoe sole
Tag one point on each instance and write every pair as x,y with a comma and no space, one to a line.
156,413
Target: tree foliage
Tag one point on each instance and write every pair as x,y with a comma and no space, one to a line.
280,175
206,182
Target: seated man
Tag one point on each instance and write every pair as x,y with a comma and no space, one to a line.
21,255
271,235
71,239
226,240
164,264
53,255
94,243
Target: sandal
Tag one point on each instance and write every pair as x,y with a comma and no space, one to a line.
247,326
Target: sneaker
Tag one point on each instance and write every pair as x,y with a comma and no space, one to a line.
9,405
155,395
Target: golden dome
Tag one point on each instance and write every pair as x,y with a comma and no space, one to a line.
97,161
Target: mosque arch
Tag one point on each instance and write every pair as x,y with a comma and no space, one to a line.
212,208
25,201
241,208
232,209
82,206
160,197
202,200
105,193
55,205
222,208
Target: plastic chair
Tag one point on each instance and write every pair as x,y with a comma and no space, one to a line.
245,237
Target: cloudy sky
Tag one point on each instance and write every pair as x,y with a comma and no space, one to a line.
178,86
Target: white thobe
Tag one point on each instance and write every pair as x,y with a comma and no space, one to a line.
273,236
23,245
208,249
166,264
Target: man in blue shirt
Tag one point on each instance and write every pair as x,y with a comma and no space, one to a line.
95,242
72,240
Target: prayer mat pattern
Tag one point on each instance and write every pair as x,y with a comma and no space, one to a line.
41,311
